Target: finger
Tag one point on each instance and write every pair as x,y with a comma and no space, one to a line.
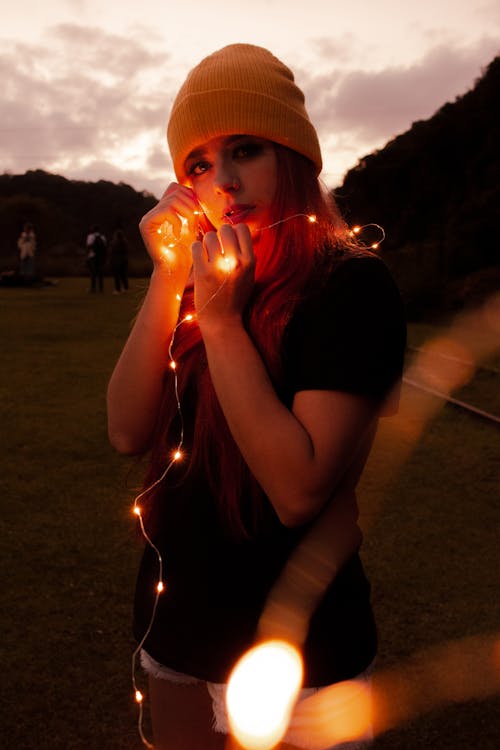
245,243
212,246
175,189
228,240
177,206
199,255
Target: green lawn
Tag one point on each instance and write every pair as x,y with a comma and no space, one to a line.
69,555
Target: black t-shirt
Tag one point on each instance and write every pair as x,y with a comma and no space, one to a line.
348,335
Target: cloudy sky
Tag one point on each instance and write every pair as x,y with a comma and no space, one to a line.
87,85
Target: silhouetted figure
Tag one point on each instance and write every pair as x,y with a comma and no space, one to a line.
96,255
119,261
27,247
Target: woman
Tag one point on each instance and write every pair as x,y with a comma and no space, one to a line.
296,340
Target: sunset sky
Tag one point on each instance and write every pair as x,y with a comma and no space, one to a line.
87,85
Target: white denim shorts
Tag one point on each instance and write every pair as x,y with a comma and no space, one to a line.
217,692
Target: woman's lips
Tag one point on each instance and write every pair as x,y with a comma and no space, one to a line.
238,213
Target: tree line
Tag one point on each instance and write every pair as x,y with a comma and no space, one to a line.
62,212
436,192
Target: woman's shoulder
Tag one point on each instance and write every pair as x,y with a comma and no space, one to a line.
352,275
349,332
352,301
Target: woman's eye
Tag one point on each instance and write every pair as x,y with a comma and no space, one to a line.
199,167
247,150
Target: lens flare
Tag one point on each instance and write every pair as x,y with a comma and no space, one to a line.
335,714
261,693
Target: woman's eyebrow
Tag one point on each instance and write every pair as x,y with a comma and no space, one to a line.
196,153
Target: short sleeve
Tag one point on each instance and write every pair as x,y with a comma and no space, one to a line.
350,335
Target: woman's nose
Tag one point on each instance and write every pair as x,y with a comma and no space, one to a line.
226,181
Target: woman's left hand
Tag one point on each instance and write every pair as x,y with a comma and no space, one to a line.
224,265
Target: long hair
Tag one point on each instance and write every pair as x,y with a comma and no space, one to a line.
291,255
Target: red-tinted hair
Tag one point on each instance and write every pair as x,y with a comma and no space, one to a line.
288,258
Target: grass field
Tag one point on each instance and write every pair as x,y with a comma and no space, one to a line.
68,554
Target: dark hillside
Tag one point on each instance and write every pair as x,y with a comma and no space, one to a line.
436,191
62,211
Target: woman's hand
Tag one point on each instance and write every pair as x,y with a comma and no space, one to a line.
169,229
224,265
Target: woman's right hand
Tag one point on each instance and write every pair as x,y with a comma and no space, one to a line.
166,236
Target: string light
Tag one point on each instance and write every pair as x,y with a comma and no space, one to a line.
310,217
228,264
357,229
176,456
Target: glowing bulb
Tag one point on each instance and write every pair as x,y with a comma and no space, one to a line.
356,230
139,696
137,510
196,213
168,254
178,297
188,317
312,218
374,246
160,587
177,455
261,693
159,230
225,263
173,365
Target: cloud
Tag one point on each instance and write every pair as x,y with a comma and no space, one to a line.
370,106
92,104
357,111
83,97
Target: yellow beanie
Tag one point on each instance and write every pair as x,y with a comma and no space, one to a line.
240,89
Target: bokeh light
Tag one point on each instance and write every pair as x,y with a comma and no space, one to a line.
261,693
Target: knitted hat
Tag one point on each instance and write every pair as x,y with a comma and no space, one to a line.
240,89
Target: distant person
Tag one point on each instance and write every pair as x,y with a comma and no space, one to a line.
96,255
27,248
119,261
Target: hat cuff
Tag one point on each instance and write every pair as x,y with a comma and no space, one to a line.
238,112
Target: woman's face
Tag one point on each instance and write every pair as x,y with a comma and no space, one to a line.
234,178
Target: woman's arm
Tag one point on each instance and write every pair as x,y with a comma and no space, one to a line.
298,456
135,388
